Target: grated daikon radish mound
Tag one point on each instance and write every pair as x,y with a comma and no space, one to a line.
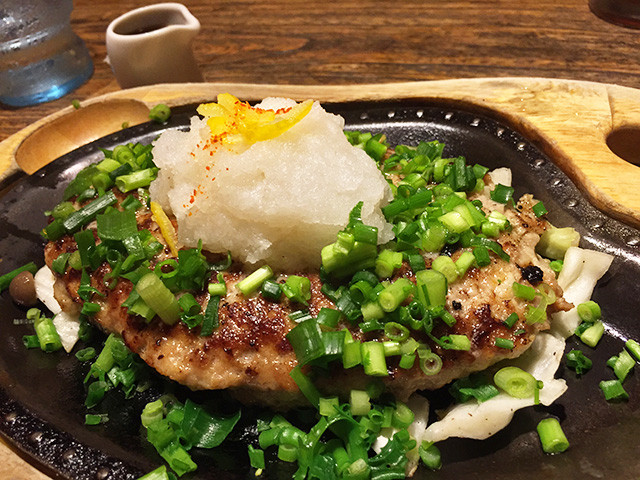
277,201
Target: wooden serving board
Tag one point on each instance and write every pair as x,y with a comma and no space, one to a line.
569,120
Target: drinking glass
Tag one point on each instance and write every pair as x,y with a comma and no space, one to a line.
41,58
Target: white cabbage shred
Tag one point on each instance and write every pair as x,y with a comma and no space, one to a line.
581,271
67,326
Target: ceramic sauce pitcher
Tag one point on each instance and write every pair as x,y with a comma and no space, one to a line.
153,45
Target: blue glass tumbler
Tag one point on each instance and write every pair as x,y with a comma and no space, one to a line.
41,59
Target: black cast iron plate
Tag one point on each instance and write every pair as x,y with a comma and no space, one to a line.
41,395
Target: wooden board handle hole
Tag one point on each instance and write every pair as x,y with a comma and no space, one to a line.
625,143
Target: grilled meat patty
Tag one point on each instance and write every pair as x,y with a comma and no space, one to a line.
250,354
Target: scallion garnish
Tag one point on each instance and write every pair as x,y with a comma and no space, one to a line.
577,361
613,390
504,343
589,311
159,298
253,281
623,364
592,334
160,113
552,437
515,382
634,348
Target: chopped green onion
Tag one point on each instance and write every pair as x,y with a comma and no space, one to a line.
365,234
219,289
504,343
393,295
256,458
511,320
55,230
464,262
131,203
87,213
160,113
430,363
210,320
634,348
592,335
351,355
431,288
577,361
95,419
402,416
454,222
305,385
159,473
446,266
430,455
556,241
387,262
473,386
95,393
515,382
329,317
623,365
45,330
481,254
539,209
556,266
501,193
375,149
89,309
297,289
137,179
407,360
525,292
328,406
253,281
31,341
116,225
552,437
589,311
271,290
152,412
86,354
306,340
455,342
359,402
373,359
159,298
63,210
59,264
536,314
395,331
613,390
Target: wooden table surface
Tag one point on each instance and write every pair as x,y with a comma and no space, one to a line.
366,41
315,42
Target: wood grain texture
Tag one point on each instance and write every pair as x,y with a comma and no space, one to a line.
312,42
316,42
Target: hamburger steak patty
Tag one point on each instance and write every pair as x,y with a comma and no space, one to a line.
250,354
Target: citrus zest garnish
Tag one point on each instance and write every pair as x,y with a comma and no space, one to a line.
234,122
166,227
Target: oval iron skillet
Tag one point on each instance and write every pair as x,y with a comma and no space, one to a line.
42,398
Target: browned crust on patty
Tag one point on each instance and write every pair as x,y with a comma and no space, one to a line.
249,351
